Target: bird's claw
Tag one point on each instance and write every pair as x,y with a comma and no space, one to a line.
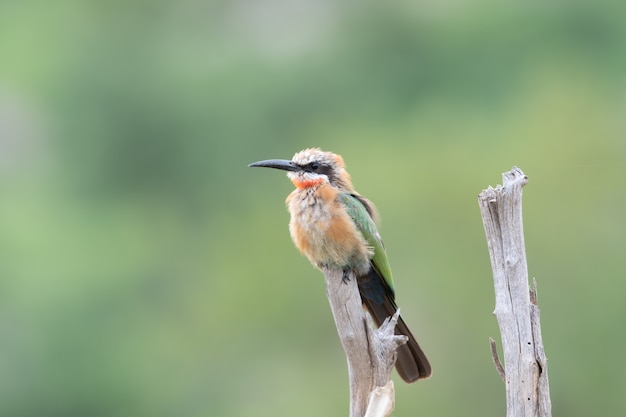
346,276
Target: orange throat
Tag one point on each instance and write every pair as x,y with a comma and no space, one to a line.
302,183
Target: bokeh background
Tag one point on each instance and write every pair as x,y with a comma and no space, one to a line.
146,271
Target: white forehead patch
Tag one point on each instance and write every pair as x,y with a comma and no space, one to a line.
315,154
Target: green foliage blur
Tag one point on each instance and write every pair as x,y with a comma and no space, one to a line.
146,271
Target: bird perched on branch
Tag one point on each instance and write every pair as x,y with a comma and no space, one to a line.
335,227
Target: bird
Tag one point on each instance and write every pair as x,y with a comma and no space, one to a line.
336,227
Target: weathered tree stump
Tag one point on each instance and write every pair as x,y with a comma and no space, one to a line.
371,353
525,370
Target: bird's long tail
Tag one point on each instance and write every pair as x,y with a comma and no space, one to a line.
411,362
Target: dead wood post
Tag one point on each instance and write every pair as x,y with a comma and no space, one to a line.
525,371
371,353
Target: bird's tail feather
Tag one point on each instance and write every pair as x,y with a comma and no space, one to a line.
411,362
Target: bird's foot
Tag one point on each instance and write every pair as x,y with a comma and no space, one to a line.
346,276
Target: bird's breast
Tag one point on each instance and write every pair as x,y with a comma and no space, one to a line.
323,231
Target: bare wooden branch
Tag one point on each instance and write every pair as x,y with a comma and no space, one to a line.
371,353
525,365
381,402
496,359
543,387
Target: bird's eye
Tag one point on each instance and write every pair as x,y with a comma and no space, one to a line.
315,166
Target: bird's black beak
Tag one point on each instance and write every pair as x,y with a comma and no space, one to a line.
283,164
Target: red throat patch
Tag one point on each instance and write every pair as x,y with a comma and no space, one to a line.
302,183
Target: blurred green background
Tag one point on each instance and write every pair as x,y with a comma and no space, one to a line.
146,271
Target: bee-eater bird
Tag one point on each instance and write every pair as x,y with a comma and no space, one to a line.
335,227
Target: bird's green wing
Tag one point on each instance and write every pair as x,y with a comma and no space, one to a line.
376,289
361,212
